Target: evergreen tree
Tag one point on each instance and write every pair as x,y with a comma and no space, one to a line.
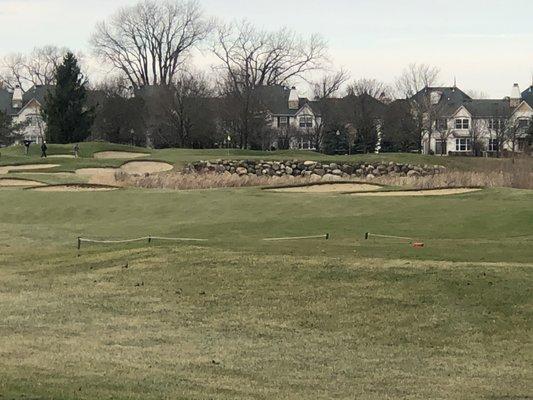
9,132
65,111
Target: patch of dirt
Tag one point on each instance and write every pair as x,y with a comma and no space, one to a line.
119,155
61,156
102,176
74,188
411,193
11,168
146,167
329,188
13,182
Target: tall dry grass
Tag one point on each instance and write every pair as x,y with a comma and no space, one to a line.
516,175
186,181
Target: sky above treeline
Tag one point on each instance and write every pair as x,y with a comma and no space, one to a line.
487,45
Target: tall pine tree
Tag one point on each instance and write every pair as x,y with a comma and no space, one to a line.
67,116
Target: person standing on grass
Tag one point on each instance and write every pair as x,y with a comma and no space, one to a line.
27,145
76,150
43,150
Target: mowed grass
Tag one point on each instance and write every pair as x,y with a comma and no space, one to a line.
241,318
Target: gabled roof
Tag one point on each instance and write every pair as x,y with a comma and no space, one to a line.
275,98
486,108
527,95
37,93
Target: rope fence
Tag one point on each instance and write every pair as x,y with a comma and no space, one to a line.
368,235
326,236
148,239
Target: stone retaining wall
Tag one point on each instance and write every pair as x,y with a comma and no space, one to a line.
326,170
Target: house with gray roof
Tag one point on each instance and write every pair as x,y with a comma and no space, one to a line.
462,125
25,108
288,112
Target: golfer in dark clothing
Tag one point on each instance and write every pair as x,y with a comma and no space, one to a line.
27,145
43,150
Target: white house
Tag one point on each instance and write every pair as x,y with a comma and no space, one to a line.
25,108
460,123
288,112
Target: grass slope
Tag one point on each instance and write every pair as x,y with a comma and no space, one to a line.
240,318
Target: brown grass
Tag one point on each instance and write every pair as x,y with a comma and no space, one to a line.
182,181
518,175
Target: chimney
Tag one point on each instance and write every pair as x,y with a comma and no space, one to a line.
17,97
294,100
516,96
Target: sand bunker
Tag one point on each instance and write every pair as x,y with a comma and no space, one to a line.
102,176
434,192
13,182
61,156
329,188
74,188
12,168
119,155
146,167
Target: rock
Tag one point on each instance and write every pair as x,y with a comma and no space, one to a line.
241,170
309,163
370,177
288,170
329,177
413,173
319,171
337,172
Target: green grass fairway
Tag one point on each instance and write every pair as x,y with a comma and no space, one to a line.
240,318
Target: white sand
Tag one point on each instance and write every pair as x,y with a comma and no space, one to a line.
435,192
13,182
74,188
146,167
329,188
10,168
119,155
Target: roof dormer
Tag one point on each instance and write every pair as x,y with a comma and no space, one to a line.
17,98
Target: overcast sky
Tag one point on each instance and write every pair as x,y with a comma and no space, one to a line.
486,44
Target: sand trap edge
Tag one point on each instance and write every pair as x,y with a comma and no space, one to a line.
122,155
404,192
31,183
307,184
84,186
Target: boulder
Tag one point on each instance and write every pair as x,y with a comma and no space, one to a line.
241,170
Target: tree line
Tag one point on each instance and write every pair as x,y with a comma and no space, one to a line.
156,97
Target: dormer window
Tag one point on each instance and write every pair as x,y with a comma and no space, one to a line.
462,123
306,121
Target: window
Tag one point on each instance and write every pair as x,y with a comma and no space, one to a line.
463,144
496,124
523,123
493,145
442,124
440,147
462,123
283,121
306,121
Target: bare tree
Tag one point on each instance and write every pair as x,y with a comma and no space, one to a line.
367,113
251,58
413,85
35,68
477,94
371,87
150,41
415,78
323,91
477,132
